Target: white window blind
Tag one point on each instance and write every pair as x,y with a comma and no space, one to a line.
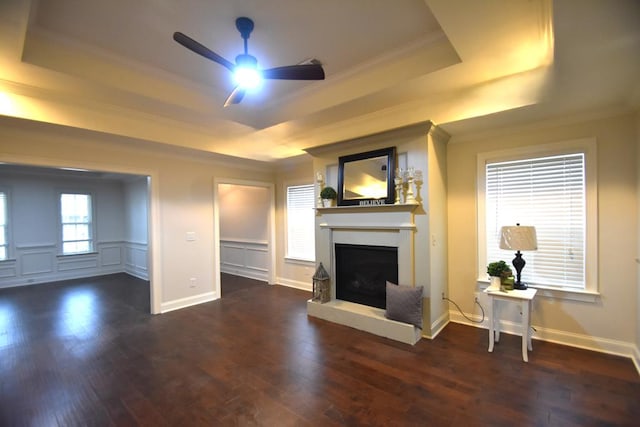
76,219
4,241
300,222
548,193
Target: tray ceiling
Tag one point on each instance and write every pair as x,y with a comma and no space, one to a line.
113,67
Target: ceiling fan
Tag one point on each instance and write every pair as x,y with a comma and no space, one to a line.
245,69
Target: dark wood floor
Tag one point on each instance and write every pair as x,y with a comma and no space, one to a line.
86,352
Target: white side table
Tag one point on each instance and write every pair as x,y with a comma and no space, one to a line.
524,298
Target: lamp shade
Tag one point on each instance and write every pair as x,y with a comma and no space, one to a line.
518,238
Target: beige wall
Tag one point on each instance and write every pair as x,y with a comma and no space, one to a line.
244,212
298,274
181,199
608,317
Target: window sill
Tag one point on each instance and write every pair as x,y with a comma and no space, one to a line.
76,255
292,260
555,293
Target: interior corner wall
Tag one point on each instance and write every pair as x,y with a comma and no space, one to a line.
438,238
136,243
181,196
603,325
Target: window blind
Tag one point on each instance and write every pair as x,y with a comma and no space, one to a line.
300,222
548,193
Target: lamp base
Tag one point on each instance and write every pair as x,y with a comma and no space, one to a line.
519,285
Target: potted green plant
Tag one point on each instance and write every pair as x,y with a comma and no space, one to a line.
328,195
501,274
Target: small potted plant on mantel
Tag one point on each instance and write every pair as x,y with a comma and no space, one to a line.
500,274
328,195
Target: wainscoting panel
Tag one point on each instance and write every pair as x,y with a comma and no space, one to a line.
8,269
36,259
244,258
232,255
256,258
136,255
110,255
78,262
40,263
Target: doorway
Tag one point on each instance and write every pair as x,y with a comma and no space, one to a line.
120,225
244,230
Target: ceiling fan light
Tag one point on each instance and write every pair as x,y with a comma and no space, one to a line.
247,77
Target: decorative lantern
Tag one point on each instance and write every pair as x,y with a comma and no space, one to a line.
321,290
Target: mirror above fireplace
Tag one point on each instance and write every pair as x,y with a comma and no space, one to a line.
367,178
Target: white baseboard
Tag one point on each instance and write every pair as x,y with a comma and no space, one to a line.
305,286
587,342
59,277
137,271
187,302
438,326
243,271
603,345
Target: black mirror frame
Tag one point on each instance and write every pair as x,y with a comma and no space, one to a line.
390,152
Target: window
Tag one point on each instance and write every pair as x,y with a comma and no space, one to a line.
552,191
4,233
300,222
77,225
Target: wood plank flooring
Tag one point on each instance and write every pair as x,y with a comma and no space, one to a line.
86,352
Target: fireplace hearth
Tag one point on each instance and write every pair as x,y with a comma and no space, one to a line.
362,272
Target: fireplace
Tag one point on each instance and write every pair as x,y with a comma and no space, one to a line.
375,244
362,272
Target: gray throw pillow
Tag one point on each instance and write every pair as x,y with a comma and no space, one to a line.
404,304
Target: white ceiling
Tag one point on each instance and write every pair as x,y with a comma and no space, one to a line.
467,65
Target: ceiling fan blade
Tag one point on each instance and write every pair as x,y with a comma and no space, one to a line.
235,96
198,48
295,72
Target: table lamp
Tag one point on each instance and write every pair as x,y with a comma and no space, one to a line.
518,238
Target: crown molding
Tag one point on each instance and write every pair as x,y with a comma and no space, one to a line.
421,128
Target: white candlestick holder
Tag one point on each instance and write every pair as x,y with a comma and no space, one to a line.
409,177
319,181
398,181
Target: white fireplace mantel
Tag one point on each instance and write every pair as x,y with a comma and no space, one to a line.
382,217
408,207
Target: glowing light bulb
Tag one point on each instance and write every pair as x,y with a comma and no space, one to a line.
246,73
247,78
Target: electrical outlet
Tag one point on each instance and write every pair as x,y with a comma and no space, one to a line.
443,297
192,282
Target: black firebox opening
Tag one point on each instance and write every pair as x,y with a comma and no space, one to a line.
362,272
